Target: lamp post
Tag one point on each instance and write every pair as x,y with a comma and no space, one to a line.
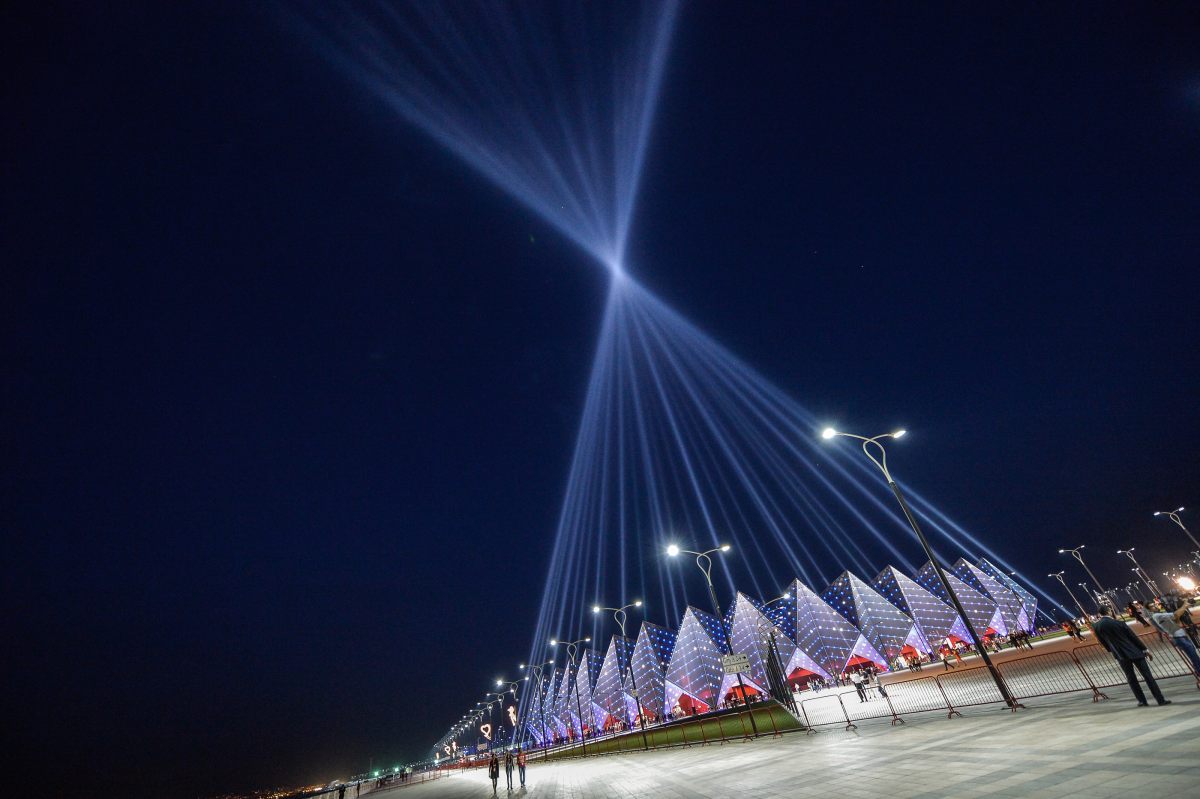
1059,576
572,648
619,616
1173,515
705,564
1139,571
774,666
881,462
1076,554
537,670
512,689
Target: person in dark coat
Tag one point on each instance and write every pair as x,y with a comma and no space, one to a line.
1130,651
494,771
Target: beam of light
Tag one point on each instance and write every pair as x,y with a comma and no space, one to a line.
553,103
679,440
681,443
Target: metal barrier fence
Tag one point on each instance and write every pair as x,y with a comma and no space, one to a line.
1087,668
354,790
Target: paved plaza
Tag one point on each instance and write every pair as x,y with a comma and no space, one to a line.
1066,746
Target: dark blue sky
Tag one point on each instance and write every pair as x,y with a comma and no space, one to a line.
290,393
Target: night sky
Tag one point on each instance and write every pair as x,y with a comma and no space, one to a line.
290,394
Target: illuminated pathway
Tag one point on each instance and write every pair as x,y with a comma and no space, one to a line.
1065,747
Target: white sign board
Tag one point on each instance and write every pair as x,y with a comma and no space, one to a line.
733,664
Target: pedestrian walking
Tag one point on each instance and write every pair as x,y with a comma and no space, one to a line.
521,765
1170,623
857,679
508,767
1130,652
494,771
946,659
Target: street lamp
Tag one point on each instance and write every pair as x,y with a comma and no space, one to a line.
1138,570
705,564
881,462
572,648
1173,515
512,689
1059,576
1075,554
537,670
619,616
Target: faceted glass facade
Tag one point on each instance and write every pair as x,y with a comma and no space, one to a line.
590,666
815,635
934,618
532,705
882,625
824,640
609,696
695,674
1028,600
651,655
749,629
556,702
1011,610
982,612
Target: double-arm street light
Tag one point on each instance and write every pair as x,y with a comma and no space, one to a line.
1075,553
1173,515
705,564
572,648
1059,576
620,615
1139,571
872,447
537,672
512,689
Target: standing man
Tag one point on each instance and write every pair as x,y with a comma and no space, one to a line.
521,765
1170,622
508,767
1130,651
857,678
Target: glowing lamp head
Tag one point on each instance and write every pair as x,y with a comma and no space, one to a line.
587,640
499,683
595,608
521,666
899,434
828,433
725,547
1187,583
637,604
673,550
553,642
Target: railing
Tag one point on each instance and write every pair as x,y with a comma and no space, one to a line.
364,787
1084,668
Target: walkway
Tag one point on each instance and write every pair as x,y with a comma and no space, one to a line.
1060,748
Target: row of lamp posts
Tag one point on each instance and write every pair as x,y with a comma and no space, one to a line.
873,448
1106,597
